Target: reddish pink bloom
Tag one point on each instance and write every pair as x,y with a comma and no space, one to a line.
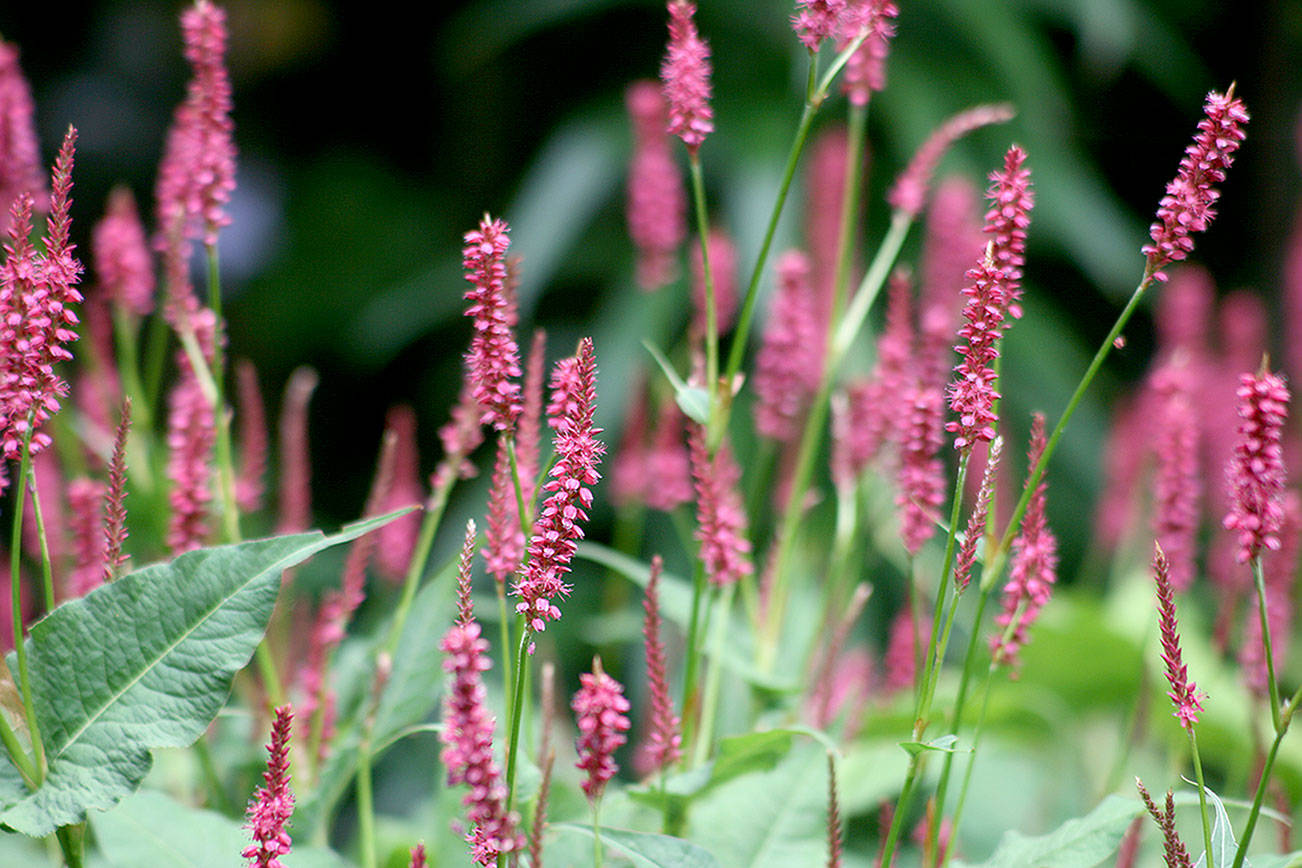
657,201
468,746
664,743
1184,693
1184,312
98,386
1006,221
668,468
723,270
600,712
51,486
460,436
1256,474
685,73
494,358
976,520
397,539
920,482
816,20
191,434
417,856
865,72
250,484
628,476
465,569
1035,564
85,508
903,649
121,255
825,186
1178,487
720,516
1188,204
20,158
790,360
503,536
115,510
1279,568
909,193
295,465
273,804
557,528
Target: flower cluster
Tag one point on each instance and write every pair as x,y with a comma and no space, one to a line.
1256,474
664,743
274,803
121,255
817,20
865,71
685,73
600,711
494,358
1006,221
20,157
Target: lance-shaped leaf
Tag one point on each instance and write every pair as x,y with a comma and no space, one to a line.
147,662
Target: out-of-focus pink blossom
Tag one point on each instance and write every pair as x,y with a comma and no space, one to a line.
121,255
191,434
920,482
865,71
1256,474
20,158
397,539
85,511
825,185
657,200
685,73
903,648
295,466
723,269
1178,487
503,536
909,193
816,20
720,516
460,436
668,467
628,476
250,484
790,361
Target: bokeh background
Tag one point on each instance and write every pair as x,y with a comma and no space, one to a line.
372,135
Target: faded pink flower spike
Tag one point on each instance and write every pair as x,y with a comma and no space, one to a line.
397,539
657,201
85,506
468,746
903,646
1184,693
720,516
664,743
920,482
909,192
250,484
628,474
723,270
1178,488
494,358
191,435
816,20
668,468
824,198
273,804
865,72
1034,564
528,432
460,436
557,528
1006,222
685,73
20,159
121,255
600,712
1256,473
1188,204
503,537
790,359
976,521
115,509
295,464
952,242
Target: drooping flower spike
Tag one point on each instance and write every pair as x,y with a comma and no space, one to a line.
909,193
685,73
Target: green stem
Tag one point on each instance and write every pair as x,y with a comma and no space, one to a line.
1260,580
420,557
72,841
1202,795
16,601
855,133
504,636
596,832
1257,800
691,667
971,762
127,331
47,571
720,614
517,712
225,460
711,320
897,820
155,356
365,805
209,771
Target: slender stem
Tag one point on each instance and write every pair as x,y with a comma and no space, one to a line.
209,771
971,762
1266,769
126,330
596,832
517,711
711,318
1202,795
855,132
16,601
365,804
897,819
225,461
47,572
420,558
504,636
720,612
692,665
156,341
1267,652
936,650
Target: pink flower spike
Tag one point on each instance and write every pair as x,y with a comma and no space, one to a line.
1177,490
1184,693
903,648
115,509
664,744
865,72
557,528
85,509
295,462
417,856
600,712
790,359
909,193
1256,473
191,435
494,358
972,394
720,516
250,485
657,200
273,804
20,159
816,20
465,568
1006,221
397,539
460,436
121,255
503,537
685,73
1188,204
920,482
723,270
668,468
976,521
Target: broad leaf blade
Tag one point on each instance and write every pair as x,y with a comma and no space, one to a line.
147,662
646,850
1080,843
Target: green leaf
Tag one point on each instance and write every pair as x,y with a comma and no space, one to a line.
944,744
1223,846
1080,843
692,400
646,850
151,828
147,662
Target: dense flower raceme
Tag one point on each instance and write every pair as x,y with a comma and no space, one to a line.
720,516
816,20
191,435
976,521
1177,489
685,72
1188,205
920,481
663,747
1174,851
20,158
557,528
600,712
121,255
273,804
494,358
1006,222
909,192
865,72
657,201
790,361
1256,474
1184,693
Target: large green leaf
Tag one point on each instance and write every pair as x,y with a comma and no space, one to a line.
1080,843
644,849
1223,846
150,828
146,662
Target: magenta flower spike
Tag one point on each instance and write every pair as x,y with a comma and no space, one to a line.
273,804
657,200
115,510
121,255
1034,564
503,537
1178,488
976,520
1006,222
668,467
557,528
685,74
1184,693
909,193
664,743
865,72
720,515
1188,204
1256,474
397,539
790,359
20,158
460,436
191,435
816,20
600,712
295,466
494,358
825,194
920,481
417,856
